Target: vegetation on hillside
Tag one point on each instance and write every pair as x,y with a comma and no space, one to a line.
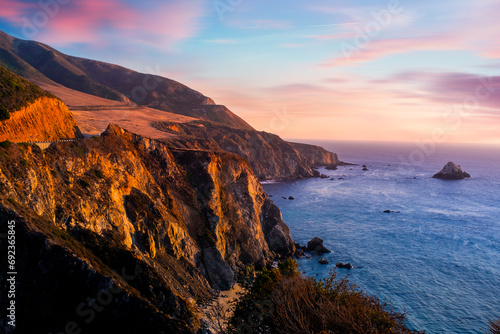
16,93
284,301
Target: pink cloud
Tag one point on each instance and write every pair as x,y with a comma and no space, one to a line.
106,22
376,49
298,89
13,11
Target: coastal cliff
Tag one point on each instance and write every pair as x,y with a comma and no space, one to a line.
270,156
183,222
45,119
316,155
28,113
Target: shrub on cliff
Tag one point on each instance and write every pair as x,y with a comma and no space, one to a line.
284,301
495,326
16,93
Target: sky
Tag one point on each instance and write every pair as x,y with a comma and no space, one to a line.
421,71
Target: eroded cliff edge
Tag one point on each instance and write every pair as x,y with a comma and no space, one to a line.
120,212
270,156
28,113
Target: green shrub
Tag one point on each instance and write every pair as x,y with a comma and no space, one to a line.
284,301
16,93
5,144
4,113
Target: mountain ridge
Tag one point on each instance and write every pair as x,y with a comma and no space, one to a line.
38,61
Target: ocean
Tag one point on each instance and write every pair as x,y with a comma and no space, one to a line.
436,257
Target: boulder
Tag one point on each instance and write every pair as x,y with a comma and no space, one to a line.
316,246
331,167
364,168
323,261
451,171
323,176
343,265
299,253
291,198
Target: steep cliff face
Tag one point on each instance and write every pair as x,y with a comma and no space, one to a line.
269,155
316,155
45,119
28,113
182,221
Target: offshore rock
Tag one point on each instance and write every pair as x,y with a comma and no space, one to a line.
451,171
315,245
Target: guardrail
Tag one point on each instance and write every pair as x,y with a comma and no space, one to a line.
45,144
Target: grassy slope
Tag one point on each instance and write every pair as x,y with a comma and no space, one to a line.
16,93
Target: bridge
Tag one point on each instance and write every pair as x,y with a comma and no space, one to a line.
45,144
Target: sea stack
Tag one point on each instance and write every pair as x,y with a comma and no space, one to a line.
451,171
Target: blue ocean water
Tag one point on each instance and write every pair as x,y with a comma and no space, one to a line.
437,257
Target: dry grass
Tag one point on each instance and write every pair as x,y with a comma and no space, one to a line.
494,327
93,114
283,301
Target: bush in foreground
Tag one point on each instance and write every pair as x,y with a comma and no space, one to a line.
495,326
284,301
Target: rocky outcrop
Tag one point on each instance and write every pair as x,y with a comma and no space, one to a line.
315,245
343,265
46,119
451,171
317,155
183,221
269,155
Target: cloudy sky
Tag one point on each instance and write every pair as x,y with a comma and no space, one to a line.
318,69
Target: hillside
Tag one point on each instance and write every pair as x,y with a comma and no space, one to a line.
17,93
269,155
28,113
43,64
163,102
123,215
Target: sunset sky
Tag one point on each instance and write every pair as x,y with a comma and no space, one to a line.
317,69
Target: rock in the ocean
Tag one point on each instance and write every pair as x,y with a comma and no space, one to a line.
451,171
323,261
323,176
343,265
364,168
299,253
291,198
316,246
331,167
